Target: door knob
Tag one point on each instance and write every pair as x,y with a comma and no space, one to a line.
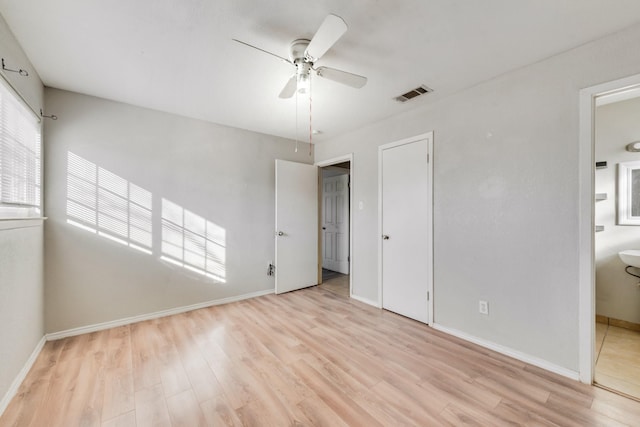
385,237
280,233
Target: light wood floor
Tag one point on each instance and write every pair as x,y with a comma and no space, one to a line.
309,357
618,359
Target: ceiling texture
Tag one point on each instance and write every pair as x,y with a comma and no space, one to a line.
178,56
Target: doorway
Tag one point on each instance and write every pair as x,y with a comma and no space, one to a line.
334,225
605,324
617,294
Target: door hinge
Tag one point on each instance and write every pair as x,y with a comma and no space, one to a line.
427,157
428,295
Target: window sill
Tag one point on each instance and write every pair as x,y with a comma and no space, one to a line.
13,223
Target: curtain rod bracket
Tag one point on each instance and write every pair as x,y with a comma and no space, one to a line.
22,72
52,116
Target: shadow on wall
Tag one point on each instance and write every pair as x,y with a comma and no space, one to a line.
105,204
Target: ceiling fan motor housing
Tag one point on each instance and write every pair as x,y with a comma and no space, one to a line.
297,50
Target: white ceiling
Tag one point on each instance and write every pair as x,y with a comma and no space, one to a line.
178,56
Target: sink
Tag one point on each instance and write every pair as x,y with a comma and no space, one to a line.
630,257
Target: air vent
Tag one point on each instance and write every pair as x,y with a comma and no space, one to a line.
413,93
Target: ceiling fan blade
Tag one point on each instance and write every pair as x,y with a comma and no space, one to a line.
343,77
265,51
331,29
290,88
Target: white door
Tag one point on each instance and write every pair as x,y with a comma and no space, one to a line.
335,223
296,226
406,228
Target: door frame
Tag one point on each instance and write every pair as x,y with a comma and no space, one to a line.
586,221
429,137
330,162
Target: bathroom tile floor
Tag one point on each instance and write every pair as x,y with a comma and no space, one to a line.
618,359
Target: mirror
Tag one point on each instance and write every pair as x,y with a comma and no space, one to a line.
629,193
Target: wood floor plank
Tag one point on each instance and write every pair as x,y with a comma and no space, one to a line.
333,396
533,413
236,383
564,406
125,420
616,407
280,379
146,370
504,385
360,394
151,407
468,416
118,345
515,414
27,404
198,372
218,412
310,357
259,413
119,395
185,410
415,402
320,414
57,402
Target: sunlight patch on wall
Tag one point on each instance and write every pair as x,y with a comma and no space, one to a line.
103,203
192,242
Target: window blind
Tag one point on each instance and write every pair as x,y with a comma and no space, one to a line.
20,153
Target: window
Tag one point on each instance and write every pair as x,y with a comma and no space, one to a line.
20,141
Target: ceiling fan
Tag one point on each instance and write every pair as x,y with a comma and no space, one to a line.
304,53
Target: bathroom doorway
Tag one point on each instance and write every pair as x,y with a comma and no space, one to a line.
617,285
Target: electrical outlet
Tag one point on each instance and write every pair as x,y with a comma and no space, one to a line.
483,307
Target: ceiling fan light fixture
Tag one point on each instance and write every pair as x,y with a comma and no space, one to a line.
303,85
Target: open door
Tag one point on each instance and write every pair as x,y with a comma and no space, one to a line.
296,226
335,223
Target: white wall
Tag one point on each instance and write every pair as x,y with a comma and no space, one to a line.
505,198
223,174
21,285
617,293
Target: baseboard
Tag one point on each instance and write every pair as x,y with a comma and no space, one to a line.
155,315
532,360
366,301
13,389
617,322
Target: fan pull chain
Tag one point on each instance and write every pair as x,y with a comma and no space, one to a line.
310,116
296,150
